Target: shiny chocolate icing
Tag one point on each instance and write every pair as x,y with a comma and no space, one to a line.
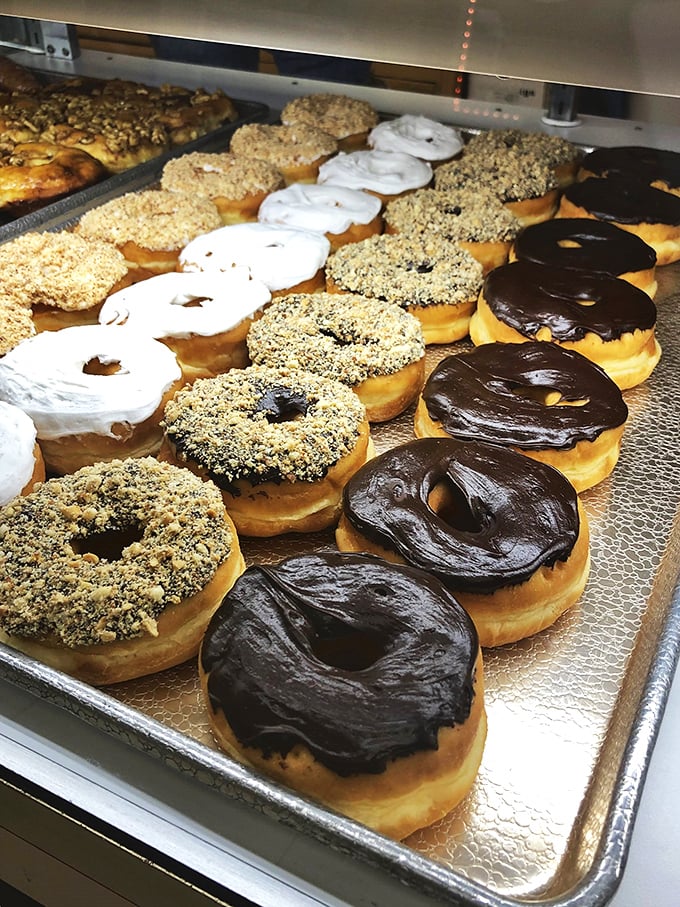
600,247
636,162
624,201
494,393
360,660
507,515
527,297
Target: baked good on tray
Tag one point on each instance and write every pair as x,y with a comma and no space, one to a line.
21,460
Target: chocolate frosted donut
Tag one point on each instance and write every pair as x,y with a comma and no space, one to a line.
505,533
653,166
548,402
370,689
606,319
585,244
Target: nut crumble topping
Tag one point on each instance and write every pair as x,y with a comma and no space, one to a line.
222,175
283,146
464,215
16,323
339,115
506,172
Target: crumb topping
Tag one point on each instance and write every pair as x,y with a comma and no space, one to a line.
552,148
283,146
240,425
410,270
154,219
16,323
464,215
60,269
51,584
220,175
339,115
507,173
340,335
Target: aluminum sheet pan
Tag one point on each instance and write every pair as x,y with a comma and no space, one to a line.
573,712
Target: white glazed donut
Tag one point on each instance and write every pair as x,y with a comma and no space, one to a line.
417,135
82,414
20,456
283,258
384,173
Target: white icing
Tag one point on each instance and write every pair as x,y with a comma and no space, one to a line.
17,451
416,135
324,209
44,376
387,172
181,304
280,257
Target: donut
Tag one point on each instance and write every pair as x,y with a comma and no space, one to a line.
279,444
203,317
284,259
385,174
150,227
114,571
16,323
417,135
237,186
34,173
64,278
296,151
21,460
93,392
348,120
608,320
584,244
370,345
191,114
559,154
476,221
505,533
427,275
371,697
538,398
655,167
652,214
342,215
526,185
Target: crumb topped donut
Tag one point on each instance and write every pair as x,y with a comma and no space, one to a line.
21,461
371,697
417,135
126,563
35,172
236,185
561,155
280,444
348,120
16,323
427,275
151,227
370,345
386,174
296,151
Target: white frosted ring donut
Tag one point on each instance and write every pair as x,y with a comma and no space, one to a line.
386,173
420,136
19,454
321,208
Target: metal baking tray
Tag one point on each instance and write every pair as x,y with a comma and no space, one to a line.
573,712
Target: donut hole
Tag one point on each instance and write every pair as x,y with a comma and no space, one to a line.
280,404
450,504
347,648
547,396
569,244
109,544
336,338
97,366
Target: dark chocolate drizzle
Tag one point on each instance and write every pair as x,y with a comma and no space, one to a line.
360,660
527,297
510,514
603,248
624,201
635,162
485,394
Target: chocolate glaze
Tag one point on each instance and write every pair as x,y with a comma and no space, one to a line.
481,395
510,516
602,247
360,660
646,165
527,297
624,201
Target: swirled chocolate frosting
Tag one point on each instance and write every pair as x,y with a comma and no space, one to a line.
592,245
360,660
624,201
497,392
635,162
528,297
506,515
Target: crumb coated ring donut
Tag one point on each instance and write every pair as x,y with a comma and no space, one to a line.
346,119
296,151
561,155
539,398
21,461
585,244
360,690
69,600
34,171
373,347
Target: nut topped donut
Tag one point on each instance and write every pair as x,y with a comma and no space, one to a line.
32,173
427,275
280,444
545,401
114,571
21,460
348,120
505,533
296,151
606,319
370,345
386,174
561,155
417,135
584,244
366,702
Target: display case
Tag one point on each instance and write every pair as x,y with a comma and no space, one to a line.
119,795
